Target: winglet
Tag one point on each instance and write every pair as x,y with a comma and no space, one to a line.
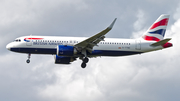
112,24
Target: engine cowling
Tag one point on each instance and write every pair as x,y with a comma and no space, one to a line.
63,60
64,50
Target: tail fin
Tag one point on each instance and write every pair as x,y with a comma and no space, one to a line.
157,30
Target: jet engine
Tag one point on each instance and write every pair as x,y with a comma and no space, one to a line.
64,50
63,60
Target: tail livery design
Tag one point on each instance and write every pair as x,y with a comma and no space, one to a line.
157,31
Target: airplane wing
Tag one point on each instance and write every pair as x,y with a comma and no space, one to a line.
89,43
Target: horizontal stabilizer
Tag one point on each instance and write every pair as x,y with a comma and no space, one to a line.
162,42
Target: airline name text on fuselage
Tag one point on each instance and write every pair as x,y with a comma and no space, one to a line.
47,43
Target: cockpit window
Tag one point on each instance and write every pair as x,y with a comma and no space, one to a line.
17,40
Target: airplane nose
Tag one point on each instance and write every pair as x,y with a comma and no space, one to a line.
8,46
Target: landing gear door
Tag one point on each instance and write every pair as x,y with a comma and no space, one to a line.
138,45
28,41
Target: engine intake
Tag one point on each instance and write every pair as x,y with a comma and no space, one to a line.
64,50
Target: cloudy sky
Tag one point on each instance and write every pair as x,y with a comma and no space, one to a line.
147,77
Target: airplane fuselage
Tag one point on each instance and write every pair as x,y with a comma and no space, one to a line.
108,47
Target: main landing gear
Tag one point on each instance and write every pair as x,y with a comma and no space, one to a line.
85,60
28,60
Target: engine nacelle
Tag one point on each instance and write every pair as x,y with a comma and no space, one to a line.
64,50
63,60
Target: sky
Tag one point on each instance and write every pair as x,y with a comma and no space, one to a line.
151,76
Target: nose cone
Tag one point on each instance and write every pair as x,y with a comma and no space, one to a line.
9,46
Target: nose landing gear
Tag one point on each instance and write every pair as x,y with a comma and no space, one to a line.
28,60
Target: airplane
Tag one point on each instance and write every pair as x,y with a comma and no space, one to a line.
68,49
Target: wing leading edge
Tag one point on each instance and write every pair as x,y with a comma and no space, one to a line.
89,43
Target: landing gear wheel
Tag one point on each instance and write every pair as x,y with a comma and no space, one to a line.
28,61
83,65
29,56
85,60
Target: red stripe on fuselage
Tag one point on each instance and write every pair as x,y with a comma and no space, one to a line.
160,23
34,38
166,45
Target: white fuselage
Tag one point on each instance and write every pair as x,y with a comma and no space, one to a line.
108,47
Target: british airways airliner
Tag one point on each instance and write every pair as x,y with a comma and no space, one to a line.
68,49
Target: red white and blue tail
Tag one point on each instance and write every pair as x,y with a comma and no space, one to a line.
157,31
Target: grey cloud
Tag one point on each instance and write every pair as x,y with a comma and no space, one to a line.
151,76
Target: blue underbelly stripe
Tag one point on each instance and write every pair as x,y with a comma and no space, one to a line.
53,51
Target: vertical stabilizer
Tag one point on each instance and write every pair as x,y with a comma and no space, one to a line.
157,30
